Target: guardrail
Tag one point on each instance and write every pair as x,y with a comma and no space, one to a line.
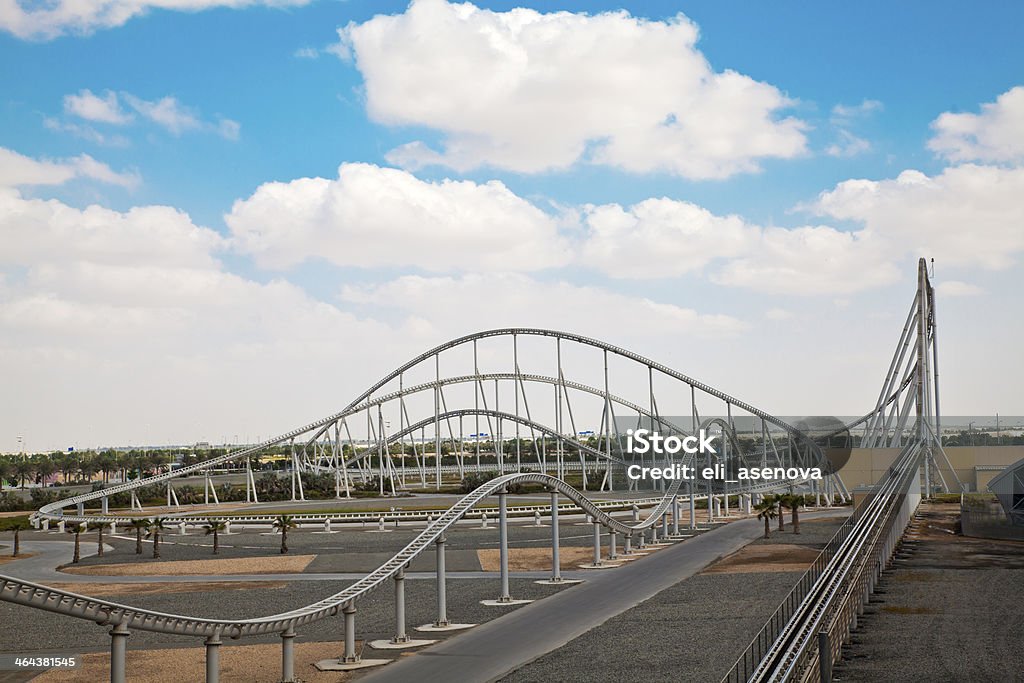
806,633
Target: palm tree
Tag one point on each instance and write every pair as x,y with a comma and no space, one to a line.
98,526
793,502
155,527
776,500
24,469
77,530
215,526
18,526
140,524
284,523
766,511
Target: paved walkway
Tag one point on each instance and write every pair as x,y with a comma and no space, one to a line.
492,650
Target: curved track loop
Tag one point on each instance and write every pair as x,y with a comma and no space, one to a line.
109,612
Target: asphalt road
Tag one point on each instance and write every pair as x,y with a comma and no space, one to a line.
492,650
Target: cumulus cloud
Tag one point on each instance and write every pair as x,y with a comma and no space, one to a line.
17,170
994,135
45,21
370,217
106,109
967,215
530,92
36,230
660,238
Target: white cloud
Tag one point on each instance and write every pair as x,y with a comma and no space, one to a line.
17,170
659,238
531,92
306,53
86,132
848,145
44,21
995,135
958,288
844,113
372,217
810,261
228,129
166,112
106,109
843,118
966,216
36,230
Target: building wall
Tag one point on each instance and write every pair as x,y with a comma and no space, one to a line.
867,465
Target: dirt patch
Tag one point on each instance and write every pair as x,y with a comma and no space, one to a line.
4,559
289,564
100,590
238,663
765,558
935,542
534,559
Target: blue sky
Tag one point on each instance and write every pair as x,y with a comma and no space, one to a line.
258,95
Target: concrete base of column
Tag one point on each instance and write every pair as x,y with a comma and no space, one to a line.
390,645
434,628
559,582
341,665
603,565
501,603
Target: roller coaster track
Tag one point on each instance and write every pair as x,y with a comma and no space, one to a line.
784,649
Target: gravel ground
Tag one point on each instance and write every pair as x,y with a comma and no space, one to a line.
45,632
693,631
948,610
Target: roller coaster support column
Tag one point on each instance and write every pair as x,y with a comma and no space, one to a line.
213,658
675,515
597,544
627,547
693,506
442,598
350,656
503,543
81,509
288,655
105,505
556,569
400,636
612,551
824,658
664,526
118,648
